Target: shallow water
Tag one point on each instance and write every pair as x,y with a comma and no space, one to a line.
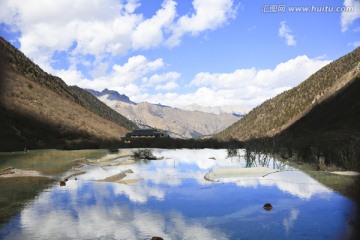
170,198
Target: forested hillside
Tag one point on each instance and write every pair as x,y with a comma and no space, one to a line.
276,114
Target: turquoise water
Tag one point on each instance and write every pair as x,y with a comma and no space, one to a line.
171,199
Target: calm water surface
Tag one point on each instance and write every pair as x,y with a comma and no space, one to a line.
170,198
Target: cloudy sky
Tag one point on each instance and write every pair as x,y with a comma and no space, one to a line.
209,52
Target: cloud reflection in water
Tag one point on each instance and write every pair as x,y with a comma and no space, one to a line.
175,202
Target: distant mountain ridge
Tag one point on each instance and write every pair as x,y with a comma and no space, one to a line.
40,110
112,95
87,100
237,110
178,122
280,112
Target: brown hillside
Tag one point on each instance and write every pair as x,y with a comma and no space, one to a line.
19,63
276,114
35,116
331,128
41,111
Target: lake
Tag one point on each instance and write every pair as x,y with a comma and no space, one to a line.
116,197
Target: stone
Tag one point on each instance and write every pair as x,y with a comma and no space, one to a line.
268,206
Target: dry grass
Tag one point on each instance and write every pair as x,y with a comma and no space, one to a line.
278,113
71,121
338,183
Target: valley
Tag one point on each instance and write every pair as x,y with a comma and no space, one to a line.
179,123
178,120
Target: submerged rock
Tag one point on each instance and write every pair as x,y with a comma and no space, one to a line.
130,181
267,206
128,162
346,173
14,172
81,160
157,238
216,174
117,177
5,171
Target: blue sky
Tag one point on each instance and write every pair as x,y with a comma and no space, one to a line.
208,52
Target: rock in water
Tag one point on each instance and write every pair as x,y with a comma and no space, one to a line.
268,206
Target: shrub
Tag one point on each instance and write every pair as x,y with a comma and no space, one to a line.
143,154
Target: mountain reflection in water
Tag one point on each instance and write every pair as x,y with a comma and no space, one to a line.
170,198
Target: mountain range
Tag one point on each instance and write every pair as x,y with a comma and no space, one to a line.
178,122
39,110
112,95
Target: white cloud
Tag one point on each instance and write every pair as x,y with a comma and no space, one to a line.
71,76
347,18
135,68
209,15
103,27
246,87
157,78
129,89
284,32
149,33
224,80
92,33
132,5
354,44
96,27
289,222
168,86
129,78
285,74
124,78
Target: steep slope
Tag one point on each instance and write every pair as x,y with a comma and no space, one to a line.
90,102
40,110
19,63
330,130
336,119
276,114
180,123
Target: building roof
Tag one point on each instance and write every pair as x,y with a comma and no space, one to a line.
145,132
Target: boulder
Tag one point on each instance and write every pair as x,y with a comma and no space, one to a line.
267,206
